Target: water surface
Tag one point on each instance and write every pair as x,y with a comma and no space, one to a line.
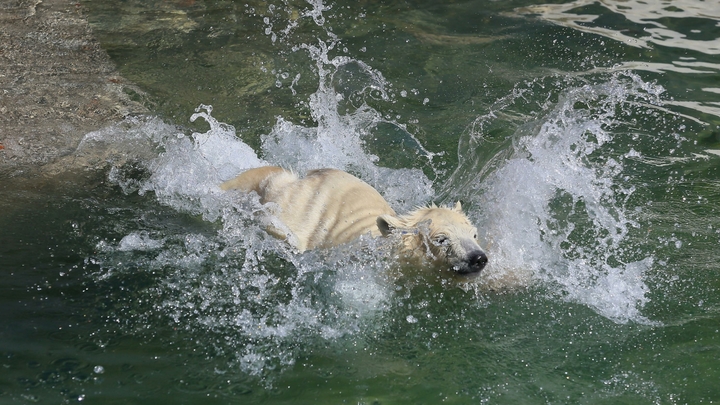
581,138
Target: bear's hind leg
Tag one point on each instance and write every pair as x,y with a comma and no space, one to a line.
250,180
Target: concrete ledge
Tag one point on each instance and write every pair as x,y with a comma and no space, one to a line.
56,85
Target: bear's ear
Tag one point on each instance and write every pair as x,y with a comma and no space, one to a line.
458,207
387,224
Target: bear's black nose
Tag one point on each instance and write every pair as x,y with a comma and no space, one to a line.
477,261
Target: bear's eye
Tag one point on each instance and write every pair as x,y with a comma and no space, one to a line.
441,240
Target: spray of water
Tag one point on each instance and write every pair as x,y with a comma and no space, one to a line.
555,202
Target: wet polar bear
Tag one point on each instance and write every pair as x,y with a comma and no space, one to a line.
330,207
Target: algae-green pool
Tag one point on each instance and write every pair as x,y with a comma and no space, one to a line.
580,137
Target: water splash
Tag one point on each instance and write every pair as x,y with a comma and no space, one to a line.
555,204
187,174
252,297
344,124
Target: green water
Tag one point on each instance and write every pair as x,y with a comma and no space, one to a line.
581,137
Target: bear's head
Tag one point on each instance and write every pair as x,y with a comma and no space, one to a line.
443,235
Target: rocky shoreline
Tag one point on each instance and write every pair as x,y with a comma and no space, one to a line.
56,85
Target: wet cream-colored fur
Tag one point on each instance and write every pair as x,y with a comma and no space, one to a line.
330,207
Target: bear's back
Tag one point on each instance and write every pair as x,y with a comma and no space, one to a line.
327,207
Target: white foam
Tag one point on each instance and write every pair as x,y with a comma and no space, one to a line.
188,173
139,241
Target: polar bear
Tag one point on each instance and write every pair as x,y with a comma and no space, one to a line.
329,207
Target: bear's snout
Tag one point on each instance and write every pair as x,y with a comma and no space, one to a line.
476,261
